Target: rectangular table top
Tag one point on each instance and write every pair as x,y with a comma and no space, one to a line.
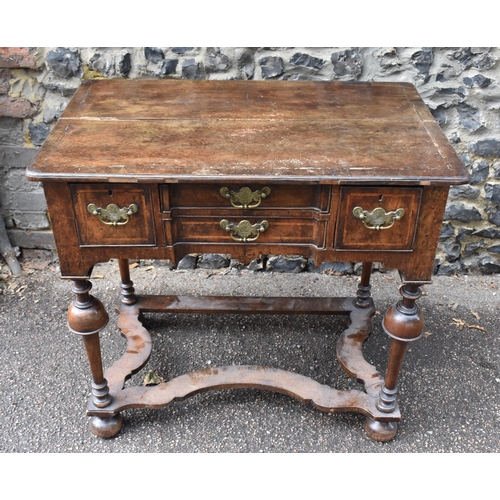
185,130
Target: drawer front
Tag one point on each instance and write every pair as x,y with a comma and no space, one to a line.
375,218
242,230
244,196
113,214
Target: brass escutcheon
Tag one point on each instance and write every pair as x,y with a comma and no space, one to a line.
112,215
244,231
245,197
378,218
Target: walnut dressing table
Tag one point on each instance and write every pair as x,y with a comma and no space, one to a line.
351,172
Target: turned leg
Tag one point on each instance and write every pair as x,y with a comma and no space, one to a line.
87,317
404,323
128,296
364,287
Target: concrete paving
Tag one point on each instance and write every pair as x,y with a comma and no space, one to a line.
449,391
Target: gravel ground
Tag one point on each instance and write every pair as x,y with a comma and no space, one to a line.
449,392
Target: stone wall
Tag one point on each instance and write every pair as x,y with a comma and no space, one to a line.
460,86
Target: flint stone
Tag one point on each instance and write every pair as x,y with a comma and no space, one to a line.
469,117
286,264
422,59
485,147
167,67
489,232
271,66
191,70
216,61
494,249
125,64
494,217
246,64
64,62
38,133
463,233
488,265
258,264
447,231
477,80
449,269
452,251
492,193
479,172
480,61
347,63
188,262
181,50
472,248
440,115
306,60
461,213
213,261
154,54
466,191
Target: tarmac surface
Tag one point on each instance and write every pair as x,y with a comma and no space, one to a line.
449,390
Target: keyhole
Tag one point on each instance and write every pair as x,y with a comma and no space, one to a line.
380,198
110,192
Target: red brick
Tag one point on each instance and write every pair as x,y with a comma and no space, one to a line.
16,107
18,57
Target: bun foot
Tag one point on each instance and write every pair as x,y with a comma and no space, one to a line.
106,427
381,431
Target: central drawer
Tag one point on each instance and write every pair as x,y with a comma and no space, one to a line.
244,196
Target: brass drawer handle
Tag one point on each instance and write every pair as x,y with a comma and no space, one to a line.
245,197
112,215
378,218
244,231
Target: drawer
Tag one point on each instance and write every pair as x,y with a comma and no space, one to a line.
113,214
247,230
373,218
244,196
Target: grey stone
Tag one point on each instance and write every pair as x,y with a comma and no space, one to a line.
488,265
485,147
422,59
154,54
286,264
32,239
191,70
440,115
347,63
16,157
181,50
489,232
449,269
245,63
447,230
38,133
64,62
462,213
213,261
492,193
271,66
466,191
188,262
306,60
215,60
472,248
479,172
469,117
11,131
494,217
258,264
477,81
125,64
167,67
452,251
29,220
